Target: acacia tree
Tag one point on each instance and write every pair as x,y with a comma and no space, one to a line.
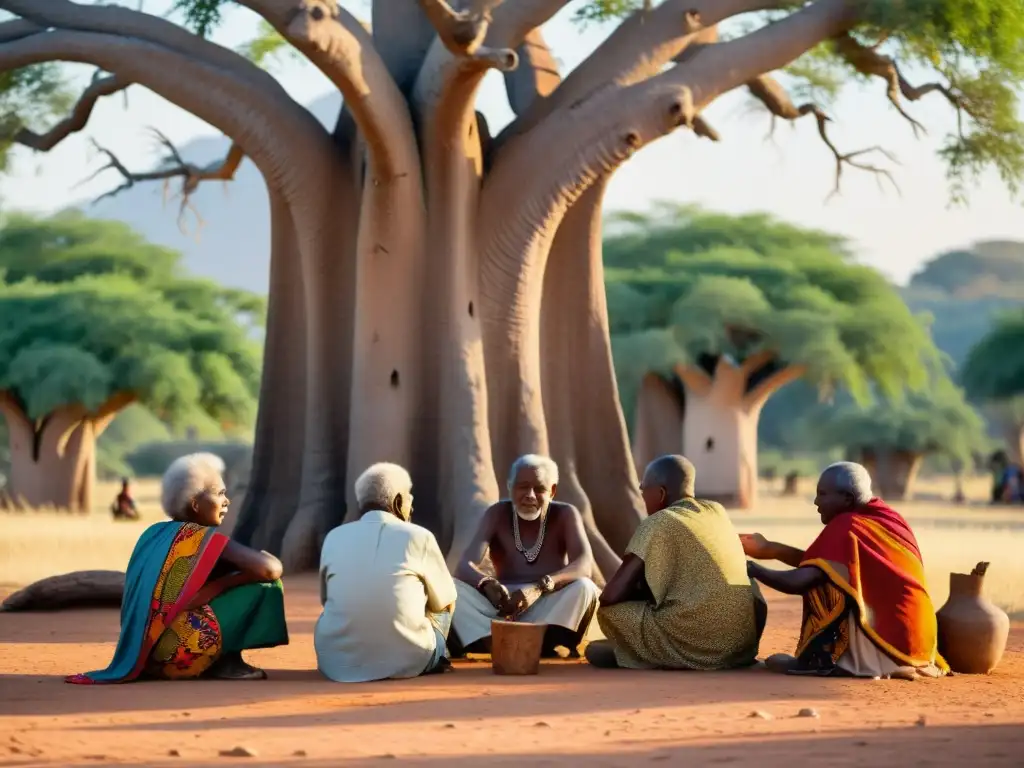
994,373
436,291
92,319
892,437
732,325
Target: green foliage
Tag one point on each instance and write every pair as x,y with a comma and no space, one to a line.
736,286
994,369
938,421
88,309
267,47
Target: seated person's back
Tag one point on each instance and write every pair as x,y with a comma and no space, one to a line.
380,578
682,599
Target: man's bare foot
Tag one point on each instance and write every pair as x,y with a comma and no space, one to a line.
230,666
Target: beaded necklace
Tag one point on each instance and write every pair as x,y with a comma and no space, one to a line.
531,553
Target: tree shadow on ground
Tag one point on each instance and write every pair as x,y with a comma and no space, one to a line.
976,745
472,691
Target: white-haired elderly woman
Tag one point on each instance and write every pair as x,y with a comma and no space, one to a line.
867,612
194,599
387,594
542,564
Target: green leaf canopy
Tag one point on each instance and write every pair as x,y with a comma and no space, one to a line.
88,310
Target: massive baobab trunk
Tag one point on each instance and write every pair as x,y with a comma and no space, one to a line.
892,471
53,459
723,405
437,292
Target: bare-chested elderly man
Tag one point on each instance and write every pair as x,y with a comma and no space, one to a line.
542,563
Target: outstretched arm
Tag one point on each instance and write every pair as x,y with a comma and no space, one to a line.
758,547
795,582
468,569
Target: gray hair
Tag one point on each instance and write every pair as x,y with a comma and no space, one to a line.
377,487
545,467
186,478
676,474
851,478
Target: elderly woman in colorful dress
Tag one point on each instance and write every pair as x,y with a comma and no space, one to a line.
194,599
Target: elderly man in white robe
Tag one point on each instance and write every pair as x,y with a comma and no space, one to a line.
387,595
542,562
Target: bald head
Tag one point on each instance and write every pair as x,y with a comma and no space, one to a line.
668,478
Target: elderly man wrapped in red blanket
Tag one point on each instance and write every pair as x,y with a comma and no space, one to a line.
866,610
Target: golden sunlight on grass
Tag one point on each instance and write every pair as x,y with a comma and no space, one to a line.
952,537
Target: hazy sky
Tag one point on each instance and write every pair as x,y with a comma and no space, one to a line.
789,177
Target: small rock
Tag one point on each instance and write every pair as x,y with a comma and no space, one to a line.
808,712
922,721
186,714
541,724
760,714
299,753
449,725
239,752
173,753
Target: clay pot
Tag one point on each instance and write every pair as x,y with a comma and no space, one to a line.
972,631
516,647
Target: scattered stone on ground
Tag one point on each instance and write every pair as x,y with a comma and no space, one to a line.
808,712
239,752
299,753
760,714
173,753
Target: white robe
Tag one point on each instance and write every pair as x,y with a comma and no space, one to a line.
568,608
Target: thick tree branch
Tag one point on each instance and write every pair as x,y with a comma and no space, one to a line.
696,380
341,47
122,21
513,20
753,363
17,29
770,92
207,92
79,117
719,68
870,62
461,32
106,413
772,384
637,49
174,167
536,77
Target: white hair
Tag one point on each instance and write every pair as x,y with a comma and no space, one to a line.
545,467
186,478
851,478
377,487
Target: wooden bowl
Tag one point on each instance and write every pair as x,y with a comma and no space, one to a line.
516,647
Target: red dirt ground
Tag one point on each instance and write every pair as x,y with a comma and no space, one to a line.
569,714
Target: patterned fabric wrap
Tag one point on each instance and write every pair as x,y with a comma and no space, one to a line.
170,564
825,630
871,557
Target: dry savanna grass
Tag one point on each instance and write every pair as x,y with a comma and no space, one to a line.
953,537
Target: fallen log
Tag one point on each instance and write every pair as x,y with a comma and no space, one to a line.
79,589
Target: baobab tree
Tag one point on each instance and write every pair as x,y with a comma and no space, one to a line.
436,291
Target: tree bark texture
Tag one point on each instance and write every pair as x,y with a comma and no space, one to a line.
893,472
720,423
437,296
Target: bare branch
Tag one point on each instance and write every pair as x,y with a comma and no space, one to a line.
869,62
704,129
174,167
79,117
17,29
122,21
772,384
769,92
696,380
463,32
